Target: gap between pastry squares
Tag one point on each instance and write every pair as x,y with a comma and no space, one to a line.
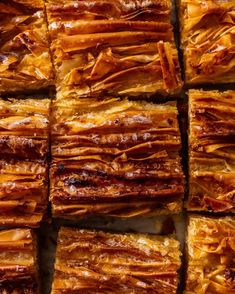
94,116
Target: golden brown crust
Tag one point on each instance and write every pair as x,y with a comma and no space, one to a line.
207,38
212,150
23,192
24,50
211,255
98,262
115,157
24,128
18,262
116,48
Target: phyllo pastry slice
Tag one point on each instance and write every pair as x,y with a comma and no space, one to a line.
25,62
99,262
24,128
211,255
115,157
18,262
113,47
207,40
212,151
23,192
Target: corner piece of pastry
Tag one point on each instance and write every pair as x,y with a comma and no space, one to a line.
23,192
25,61
207,38
24,128
115,157
18,262
99,262
113,47
212,151
211,255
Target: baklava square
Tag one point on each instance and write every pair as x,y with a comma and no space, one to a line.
24,128
25,62
115,157
207,40
212,151
120,48
211,255
23,192
99,262
18,262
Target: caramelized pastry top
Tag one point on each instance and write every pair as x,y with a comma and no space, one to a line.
211,255
208,29
98,262
212,150
115,150
24,50
113,47
24,128
18,262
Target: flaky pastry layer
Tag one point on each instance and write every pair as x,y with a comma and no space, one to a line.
212,150
24,128
18,262
211,255
25,62
98,262
207,38
23,192
115,157
115,48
